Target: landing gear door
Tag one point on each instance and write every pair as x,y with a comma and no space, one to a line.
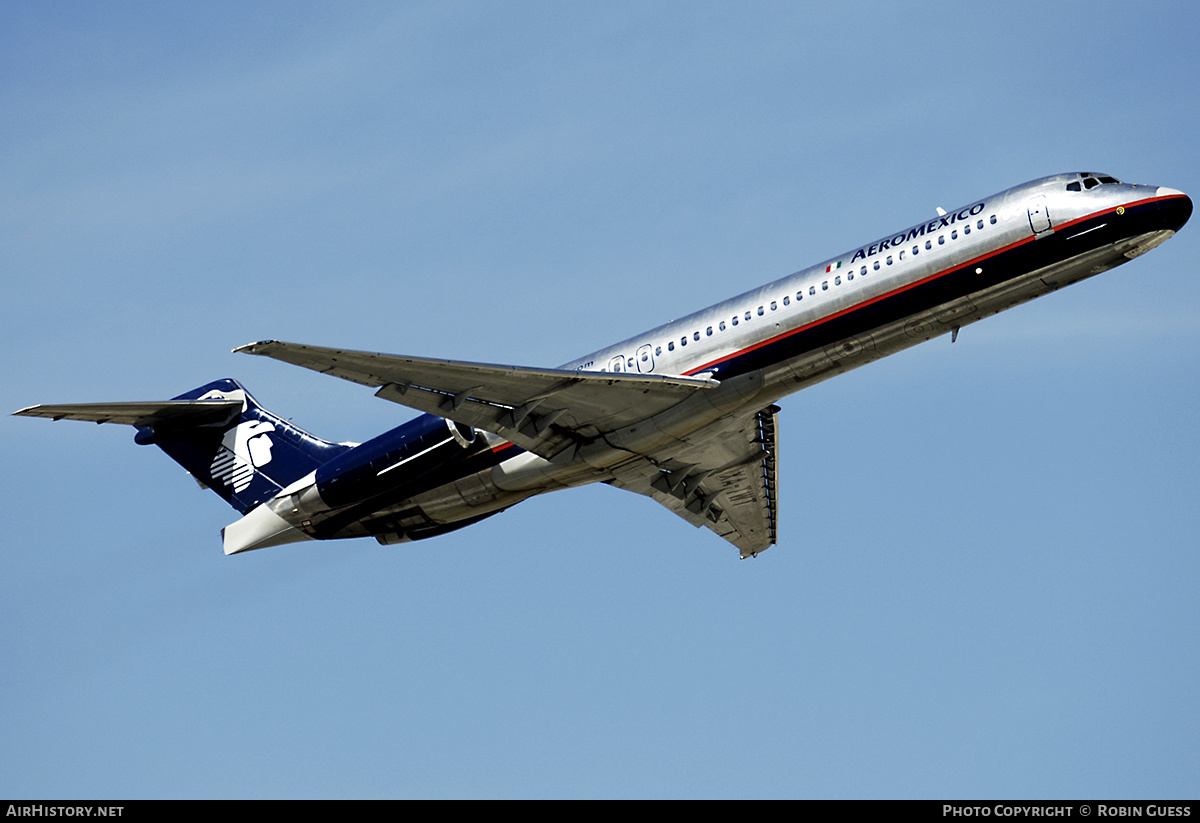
1039,217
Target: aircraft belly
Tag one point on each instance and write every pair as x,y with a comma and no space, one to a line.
436,511
829,361
476,490
459,500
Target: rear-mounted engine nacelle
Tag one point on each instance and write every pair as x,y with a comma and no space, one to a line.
463,435
399,458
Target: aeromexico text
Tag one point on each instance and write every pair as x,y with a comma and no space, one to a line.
943,222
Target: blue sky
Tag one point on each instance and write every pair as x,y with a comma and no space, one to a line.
987,572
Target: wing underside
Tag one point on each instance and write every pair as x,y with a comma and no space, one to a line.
545,411
727,481
721,476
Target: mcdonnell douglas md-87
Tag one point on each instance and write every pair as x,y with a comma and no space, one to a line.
684,413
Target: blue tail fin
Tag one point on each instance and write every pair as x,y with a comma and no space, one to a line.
246,457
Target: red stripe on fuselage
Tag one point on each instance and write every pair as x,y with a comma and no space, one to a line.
900,290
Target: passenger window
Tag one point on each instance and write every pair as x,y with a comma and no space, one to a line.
773,305
993,221
876,265
721,325
812,289
979,224
760,311
658,351
941,239
747,315
696,336
708,332
966,229
683,341
916,249
901,257
671,346
837,281
928,245
954,234
863,272
735,320
889,260
787,301
825,286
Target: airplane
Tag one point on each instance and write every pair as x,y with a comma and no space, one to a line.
684,414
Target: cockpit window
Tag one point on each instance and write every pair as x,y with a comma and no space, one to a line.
1091,180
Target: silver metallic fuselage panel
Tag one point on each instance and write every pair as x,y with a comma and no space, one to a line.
687,346
684,414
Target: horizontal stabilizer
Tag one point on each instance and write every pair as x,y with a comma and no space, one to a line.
219,434
158,413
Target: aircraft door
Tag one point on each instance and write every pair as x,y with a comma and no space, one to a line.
617,364
1039,217
645,359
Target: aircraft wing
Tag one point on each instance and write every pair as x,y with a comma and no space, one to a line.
544,411
725,479
151,413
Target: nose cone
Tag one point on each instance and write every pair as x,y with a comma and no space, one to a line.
1174,206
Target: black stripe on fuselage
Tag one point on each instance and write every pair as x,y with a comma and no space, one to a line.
995,267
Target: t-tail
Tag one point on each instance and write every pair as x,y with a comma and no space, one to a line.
217,432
